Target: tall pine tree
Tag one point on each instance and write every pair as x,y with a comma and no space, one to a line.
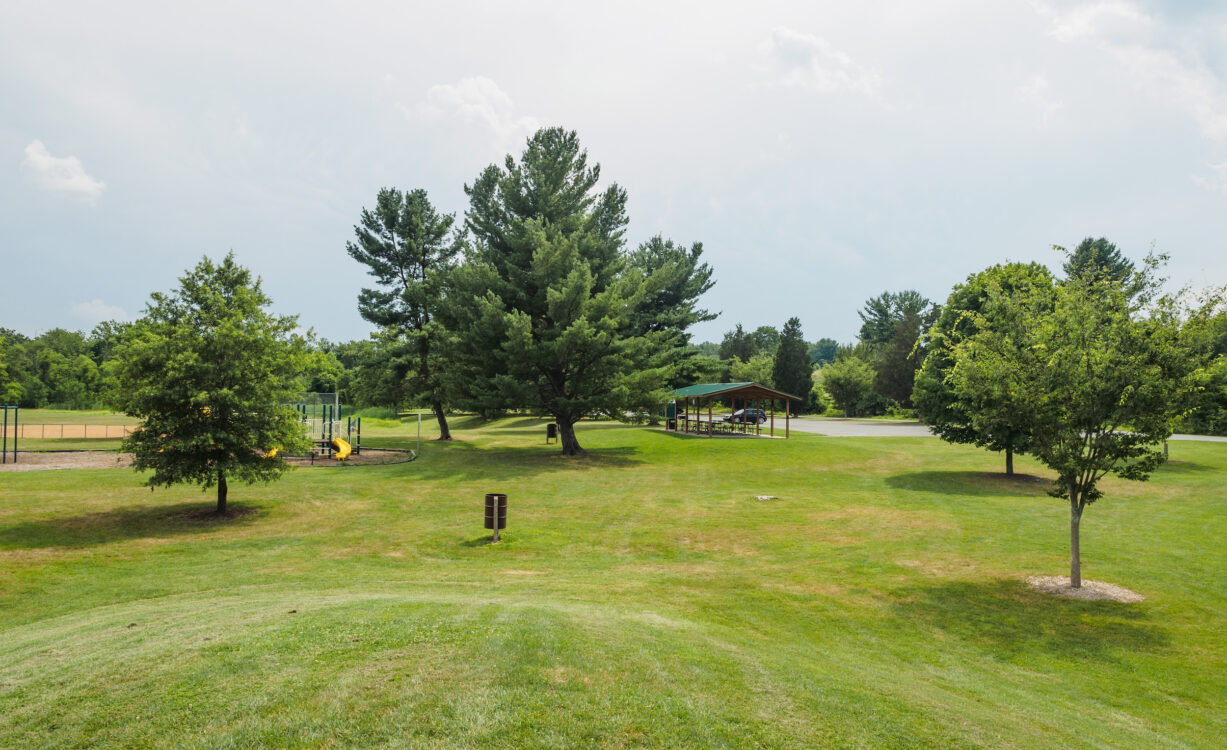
676,280
1098,260
409,248
548,312
792,372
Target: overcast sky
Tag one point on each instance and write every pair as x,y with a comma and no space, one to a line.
823,152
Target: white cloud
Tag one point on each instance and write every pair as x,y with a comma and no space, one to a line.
1171,72
1216,182
1038,92
810,62
1104,19
95,311
479,100
61,174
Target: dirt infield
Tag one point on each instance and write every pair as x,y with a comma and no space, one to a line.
68,460
76,431
38,461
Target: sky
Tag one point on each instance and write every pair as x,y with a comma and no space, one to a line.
822,152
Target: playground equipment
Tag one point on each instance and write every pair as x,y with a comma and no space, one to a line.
321,419
342,448
320,414
4,444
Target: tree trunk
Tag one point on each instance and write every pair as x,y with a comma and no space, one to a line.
1075,557
221,492
444,432
1009,462
566,431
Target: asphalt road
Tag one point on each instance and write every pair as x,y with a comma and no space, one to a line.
899,428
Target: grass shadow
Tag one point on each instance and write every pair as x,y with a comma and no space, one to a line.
1182,467
481,541
509,462
455,422
132,522
520,423
1014,622
970,483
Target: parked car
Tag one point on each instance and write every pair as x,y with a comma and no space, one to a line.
747,416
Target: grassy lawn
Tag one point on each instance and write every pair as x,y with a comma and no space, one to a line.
641,597
62,416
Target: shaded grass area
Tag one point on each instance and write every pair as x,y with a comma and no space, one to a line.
641,596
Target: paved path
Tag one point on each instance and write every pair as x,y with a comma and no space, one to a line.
900,428
859,427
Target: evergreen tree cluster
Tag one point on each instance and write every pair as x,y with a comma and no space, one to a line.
537,302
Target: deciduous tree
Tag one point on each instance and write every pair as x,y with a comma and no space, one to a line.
737,344
823,351
212,376
1208,410
1096,380
996,426
757,370
891,324
849,382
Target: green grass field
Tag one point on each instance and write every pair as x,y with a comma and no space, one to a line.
641,597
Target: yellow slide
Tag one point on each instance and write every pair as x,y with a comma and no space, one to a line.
342,448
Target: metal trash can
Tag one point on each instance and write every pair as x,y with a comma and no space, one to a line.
551,432
496,512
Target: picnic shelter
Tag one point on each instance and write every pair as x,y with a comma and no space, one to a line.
694,409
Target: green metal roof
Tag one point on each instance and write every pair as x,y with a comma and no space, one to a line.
707,389
715,389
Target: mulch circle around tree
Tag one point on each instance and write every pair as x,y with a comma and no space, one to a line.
1090,591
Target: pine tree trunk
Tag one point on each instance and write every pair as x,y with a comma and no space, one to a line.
1009,462
221,492
566,431
1075,556
444,432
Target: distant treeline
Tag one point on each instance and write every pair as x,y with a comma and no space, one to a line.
877,374
871,376
75,370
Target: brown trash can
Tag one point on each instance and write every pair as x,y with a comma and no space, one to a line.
496,509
